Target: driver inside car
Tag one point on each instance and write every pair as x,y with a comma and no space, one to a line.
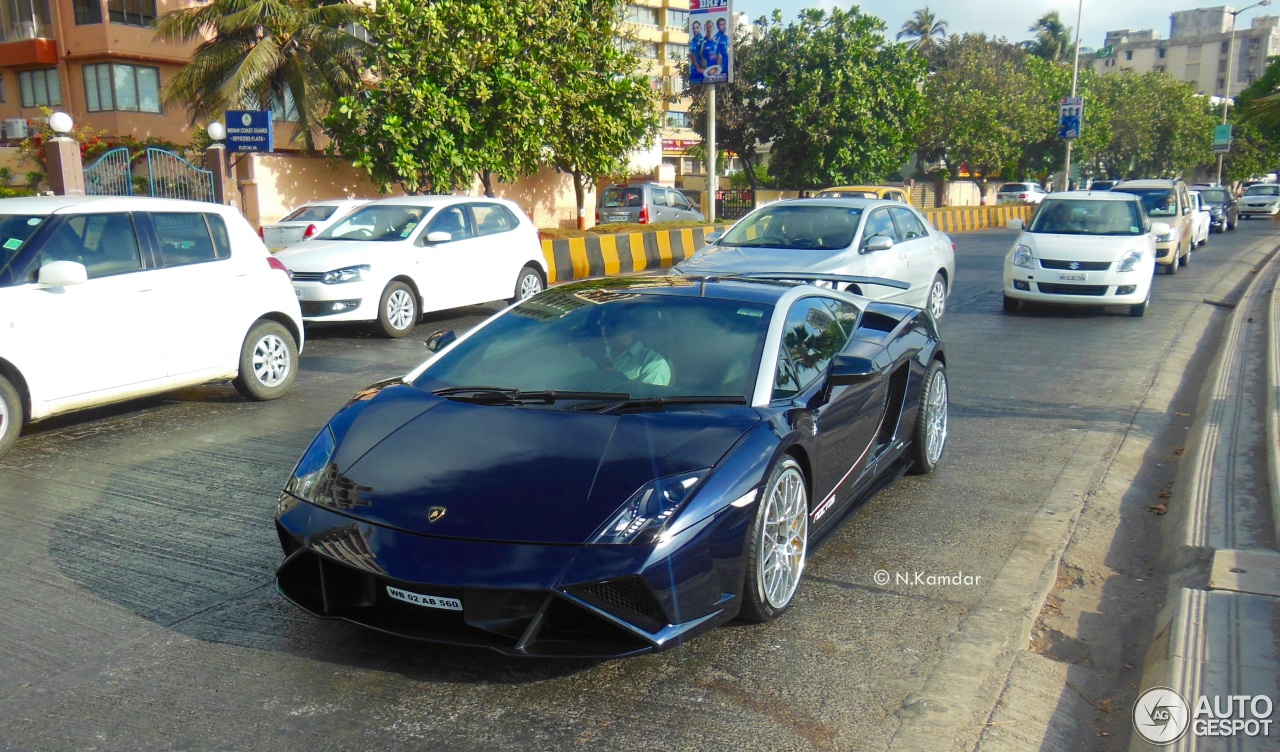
626,352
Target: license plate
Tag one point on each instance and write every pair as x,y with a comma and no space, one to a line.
617,217
429,601
298,290
1077,277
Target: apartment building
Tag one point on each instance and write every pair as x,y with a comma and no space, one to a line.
1197,50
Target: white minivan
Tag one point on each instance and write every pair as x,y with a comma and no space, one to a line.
104,299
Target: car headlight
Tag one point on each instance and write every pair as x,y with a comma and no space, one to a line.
1218,210
1022,257
313,476
347,274
1165,238
642,518
1129,261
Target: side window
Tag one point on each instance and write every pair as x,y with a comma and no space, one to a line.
1186,201
105,243
659,197
221,239
678,201
184,238
491,219
879,224
811,337
909,227
453,220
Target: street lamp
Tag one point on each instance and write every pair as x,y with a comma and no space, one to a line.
1231,59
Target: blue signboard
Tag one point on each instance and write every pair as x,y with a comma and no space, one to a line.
250,130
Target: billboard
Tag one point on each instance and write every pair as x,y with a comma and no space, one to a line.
710,41
1071,117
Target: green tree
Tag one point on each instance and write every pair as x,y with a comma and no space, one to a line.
844,103
254,54
1053,40
740,109
1051,82
1160,126
1260,103
921,29
1253,152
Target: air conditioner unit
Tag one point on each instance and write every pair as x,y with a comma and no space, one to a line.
15,128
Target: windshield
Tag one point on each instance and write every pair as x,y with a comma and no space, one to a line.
599,340
822,228
1015,188
1263,190
311,214
1158,202
1084,217
613,198
387,222
15,231
1214,195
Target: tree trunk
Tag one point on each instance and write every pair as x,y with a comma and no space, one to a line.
751,180
486,179
580,196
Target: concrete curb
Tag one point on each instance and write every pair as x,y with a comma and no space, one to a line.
1273,404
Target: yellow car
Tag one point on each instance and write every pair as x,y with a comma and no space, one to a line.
887,192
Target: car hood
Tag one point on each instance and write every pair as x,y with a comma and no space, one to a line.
1080,247
718,258
326,255
507,473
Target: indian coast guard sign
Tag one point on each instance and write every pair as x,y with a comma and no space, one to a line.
710,41
250,130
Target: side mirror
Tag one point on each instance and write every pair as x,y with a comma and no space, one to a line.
851,369
440,339
439,237
878,243
62,274
712,237
1161,228
1016,224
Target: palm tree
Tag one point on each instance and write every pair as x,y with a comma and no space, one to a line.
1053,37
921,30
256,54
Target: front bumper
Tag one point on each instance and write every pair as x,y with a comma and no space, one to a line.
353,301
595,601
1269,210
1099,288
1166,253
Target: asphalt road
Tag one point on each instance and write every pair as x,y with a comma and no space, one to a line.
138,608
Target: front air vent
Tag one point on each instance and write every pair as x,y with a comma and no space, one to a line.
628,599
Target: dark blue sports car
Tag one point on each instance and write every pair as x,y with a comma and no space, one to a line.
612,466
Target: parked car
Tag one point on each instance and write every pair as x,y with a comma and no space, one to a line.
1168,202
866,237
1020,193
1201,219
390,260
1223,207
613,466
1103,185
644,203
1260,200
104,299
886,192
306,222
1084,248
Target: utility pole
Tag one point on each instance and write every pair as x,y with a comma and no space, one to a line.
712,179
1075,80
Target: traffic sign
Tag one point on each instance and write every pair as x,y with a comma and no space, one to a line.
1221,139
1071,118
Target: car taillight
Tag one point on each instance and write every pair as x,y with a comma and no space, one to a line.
309,232
260,234
1022,195
644,215
276,263
597,216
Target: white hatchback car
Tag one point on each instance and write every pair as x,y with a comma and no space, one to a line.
855,236
1201,219
1084,248
392,259
307,221
1020,193
104,299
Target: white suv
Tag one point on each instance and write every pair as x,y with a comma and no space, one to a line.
104,299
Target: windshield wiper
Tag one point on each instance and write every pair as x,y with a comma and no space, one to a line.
658,403
496,395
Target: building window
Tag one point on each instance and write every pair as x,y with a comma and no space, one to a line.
1226,46
1128,54
126,88
132,12
649,50
1222,66
1160,53
691,166
678,120
677,19
87,11
357,31
643,16
1222,84
40,88
677,52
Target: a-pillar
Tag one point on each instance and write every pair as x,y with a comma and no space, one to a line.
66,170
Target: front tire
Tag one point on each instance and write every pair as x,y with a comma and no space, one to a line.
528,283
929,438
777,543
1011,304
937,301
1138,310
397,310
11,415
268,362
1172,268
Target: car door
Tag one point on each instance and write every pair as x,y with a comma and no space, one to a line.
891,263
455,272
681,207
922,255
659,205
500,253
104,333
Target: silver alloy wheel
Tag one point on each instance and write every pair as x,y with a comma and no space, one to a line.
938,299
4,417
936,404
530,285
784,538
400,308
271,361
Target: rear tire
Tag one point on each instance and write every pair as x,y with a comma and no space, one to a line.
929,438
777,543
11,415
268,362
528,283
397,310
1011,304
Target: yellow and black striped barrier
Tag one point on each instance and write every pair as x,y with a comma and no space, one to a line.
977,217
606,255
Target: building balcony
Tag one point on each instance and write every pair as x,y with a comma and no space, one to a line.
22,31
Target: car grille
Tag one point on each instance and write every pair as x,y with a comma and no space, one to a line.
308,276
1083,266
627,598
1072,289
312,308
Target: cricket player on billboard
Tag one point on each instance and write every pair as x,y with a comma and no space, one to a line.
710,40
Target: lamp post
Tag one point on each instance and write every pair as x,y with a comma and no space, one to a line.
1231,59
1075,80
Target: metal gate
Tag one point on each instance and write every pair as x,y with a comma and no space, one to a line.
168,176
734,204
